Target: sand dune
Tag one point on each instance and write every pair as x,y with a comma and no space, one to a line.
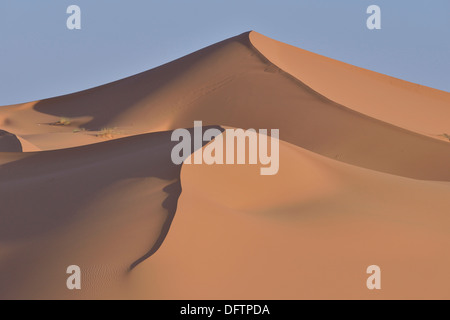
104,207
230,83
364,179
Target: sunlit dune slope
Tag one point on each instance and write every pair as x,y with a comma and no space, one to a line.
402,103
308,232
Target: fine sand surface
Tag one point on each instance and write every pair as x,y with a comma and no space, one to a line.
86,179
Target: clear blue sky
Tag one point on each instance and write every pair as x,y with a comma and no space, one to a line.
41,58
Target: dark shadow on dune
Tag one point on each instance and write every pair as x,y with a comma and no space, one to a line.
46,191
170,204
9,142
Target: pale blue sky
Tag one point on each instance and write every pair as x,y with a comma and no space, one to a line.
41,58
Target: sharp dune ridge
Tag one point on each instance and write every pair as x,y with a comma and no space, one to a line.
87,179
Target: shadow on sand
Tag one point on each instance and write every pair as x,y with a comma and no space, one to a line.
46,191
9,142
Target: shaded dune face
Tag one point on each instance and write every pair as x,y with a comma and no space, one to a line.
9,142
53,202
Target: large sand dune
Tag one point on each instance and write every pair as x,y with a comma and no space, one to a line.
364,178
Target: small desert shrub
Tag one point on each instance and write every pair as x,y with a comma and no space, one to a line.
106,133
62,122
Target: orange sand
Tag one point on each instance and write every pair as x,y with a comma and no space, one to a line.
364,179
